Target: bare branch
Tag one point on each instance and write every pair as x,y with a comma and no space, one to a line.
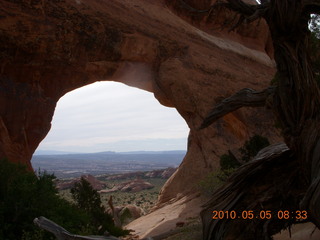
245,97
248,12
312,6
250,189
115,213
62,234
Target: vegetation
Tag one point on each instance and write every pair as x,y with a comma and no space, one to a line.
88,199
210,183
191,230
229,163
25,196
252,147
283,177
144,199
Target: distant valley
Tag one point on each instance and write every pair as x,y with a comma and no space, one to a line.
76,164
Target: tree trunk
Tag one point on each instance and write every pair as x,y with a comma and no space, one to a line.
297,99
291,181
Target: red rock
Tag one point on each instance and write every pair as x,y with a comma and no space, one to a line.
136,185
95,183
49,48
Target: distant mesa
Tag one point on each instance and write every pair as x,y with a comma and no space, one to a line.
136,181
161,173
51,152
95,183
136,185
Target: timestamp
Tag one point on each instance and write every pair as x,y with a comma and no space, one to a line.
262,214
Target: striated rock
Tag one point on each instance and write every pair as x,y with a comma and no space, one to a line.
127,213
249,35
166,173
136,185
162,173
48,48
166,218
95,183
130,212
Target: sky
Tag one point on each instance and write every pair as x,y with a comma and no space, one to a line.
111,116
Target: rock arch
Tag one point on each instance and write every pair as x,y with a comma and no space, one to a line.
49,48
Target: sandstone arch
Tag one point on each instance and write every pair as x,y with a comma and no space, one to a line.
112,116
49,48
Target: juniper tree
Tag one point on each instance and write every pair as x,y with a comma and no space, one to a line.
284,177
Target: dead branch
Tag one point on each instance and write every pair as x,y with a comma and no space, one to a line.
248,12
244,98
313,6
62,234
115,213
268,183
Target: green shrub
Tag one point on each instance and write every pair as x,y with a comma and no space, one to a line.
229,164
228,161
253,146
25,196
214,180
88,199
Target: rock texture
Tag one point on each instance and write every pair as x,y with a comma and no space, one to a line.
95,183
136,185
162,173
48,48
166,173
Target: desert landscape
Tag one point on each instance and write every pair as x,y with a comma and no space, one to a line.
231,69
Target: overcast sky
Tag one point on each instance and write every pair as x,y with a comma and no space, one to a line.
110,116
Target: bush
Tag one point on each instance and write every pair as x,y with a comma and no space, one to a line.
253,146
209,184
228,161
229,164
88,199
25,196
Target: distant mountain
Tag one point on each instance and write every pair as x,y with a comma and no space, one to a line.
51,152
77,164
156,152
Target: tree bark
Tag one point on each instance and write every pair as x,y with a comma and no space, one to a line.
297,99
62,234
244,98
268,183
290,181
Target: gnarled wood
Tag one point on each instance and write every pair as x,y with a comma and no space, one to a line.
63,234
296,104
268,183
244,98
115,213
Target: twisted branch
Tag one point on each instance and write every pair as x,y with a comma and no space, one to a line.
272,172
62,234
245,97
312,6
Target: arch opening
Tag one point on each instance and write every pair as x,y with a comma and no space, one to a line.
113,117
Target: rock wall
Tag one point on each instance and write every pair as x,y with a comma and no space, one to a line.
49,48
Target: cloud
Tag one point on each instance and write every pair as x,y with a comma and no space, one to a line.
112,116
